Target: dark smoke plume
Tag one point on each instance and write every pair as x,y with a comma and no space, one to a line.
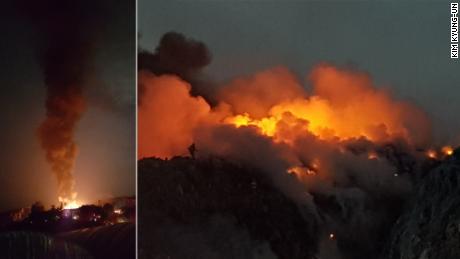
179,56
66,31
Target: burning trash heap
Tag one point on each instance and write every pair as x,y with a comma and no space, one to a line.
346,152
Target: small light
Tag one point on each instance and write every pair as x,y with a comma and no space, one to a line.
447,150
331,236
431,154
372,156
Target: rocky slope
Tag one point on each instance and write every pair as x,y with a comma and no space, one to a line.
430,227
215,209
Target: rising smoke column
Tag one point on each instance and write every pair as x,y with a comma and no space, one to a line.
180,56
66,31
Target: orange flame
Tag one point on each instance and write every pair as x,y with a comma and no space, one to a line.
70,203
344,105
447,150
372,155
301,171
432,154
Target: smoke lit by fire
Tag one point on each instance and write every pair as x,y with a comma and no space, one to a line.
56,134
67,30
344,105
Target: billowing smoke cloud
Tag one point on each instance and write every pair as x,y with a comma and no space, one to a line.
346,152
352,93
338,96
67,40
257,94
180,56
170,131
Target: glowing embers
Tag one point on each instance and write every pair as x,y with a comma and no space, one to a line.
305,170
301,171
372,155
441,153
447,150
432,154
331,236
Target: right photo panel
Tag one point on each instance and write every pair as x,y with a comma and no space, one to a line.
298,129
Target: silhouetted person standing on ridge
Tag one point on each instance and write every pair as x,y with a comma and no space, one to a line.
192,150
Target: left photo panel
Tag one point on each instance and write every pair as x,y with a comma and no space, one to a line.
67,164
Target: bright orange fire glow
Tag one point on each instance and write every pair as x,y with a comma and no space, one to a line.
343,105
372,155
447,150
431,154
267,125
70,203
300,171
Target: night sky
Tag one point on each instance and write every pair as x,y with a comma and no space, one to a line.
405,46
105,165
